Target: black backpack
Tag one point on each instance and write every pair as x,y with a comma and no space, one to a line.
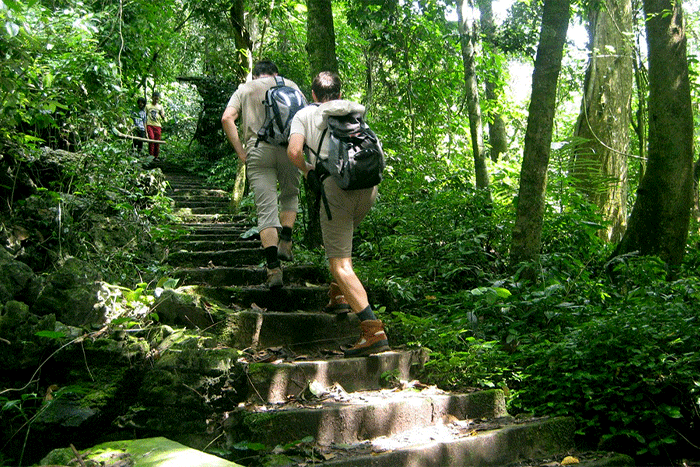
281,103
355,155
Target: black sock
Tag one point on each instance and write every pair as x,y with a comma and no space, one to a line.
271,257
366,314
286,234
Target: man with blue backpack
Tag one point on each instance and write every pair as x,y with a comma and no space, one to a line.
345,165
264,104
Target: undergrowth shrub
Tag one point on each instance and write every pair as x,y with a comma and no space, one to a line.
626,369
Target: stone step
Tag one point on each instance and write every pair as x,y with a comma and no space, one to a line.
334,416
221,203
280,382
226,276
237,225
216,218
460,444
213,243
299,333
212,210
195,192
236,257
289,298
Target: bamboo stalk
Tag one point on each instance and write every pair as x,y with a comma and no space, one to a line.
137,138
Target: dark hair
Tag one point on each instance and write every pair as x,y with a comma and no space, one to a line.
264,67
140,101
326,86
155,94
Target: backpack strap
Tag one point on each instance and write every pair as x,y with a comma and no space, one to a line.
321,170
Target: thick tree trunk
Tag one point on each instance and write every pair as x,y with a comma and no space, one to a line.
527,232
472,92
320,38
320,46
599,164
660,218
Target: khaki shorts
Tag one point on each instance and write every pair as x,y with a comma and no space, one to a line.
348,208
266,166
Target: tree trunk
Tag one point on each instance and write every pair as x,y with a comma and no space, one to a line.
320,37
244,45
527,231
660,218
320,46
498,139
472,95
600,162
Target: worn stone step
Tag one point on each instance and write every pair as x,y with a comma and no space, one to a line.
221,203
339,417
236,224
212,243
226,276
278,382
289,298
213,210
195,192
300,333
192,218
235,257
459,445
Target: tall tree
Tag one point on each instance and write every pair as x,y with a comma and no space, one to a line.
660,217
320,46
527,231
320,38
476,127
599,163
498,139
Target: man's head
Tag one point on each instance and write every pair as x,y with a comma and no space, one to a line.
141,102
155,97
264,68
326,86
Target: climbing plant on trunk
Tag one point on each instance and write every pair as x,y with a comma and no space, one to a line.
660,217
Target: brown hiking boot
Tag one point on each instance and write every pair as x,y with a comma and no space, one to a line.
337,303
284,250
373,340
274,277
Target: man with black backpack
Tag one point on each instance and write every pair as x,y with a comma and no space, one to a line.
267,164
344,207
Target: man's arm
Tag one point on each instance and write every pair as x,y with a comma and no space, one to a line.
228,122
295,152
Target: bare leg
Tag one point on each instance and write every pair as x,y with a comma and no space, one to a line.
349,283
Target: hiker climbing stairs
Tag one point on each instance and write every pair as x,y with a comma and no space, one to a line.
300,393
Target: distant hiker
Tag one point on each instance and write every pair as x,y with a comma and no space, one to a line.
346,208
267,165
139,118
154,119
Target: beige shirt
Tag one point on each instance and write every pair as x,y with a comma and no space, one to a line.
248,100
311,121
154,114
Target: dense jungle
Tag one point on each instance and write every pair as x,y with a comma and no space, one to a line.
536,230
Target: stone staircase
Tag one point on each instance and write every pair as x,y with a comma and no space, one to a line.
300,394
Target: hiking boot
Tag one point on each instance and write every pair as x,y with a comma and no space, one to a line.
373,340
337,303
274,277
284,250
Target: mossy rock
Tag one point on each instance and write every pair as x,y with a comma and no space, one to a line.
149,452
